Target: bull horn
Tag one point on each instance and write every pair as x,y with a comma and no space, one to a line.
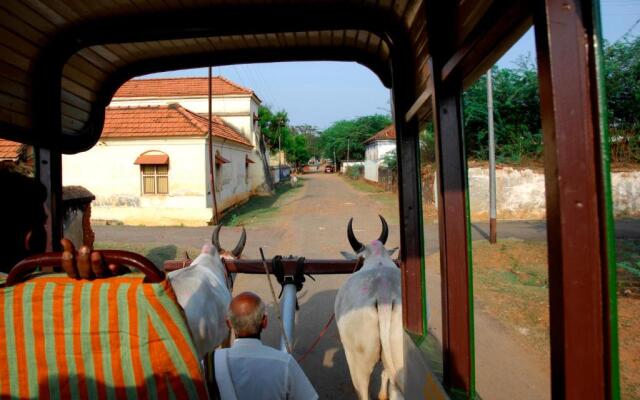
385,230
355,244
215,238
240,246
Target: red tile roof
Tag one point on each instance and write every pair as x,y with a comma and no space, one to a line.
171,120
9,150
388,133
178,87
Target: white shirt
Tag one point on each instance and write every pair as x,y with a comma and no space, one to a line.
263,373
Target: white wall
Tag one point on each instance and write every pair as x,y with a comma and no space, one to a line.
374,152
520,193
234,181
109,172
371,170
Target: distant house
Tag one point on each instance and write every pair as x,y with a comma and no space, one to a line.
376,147
16,156
151,164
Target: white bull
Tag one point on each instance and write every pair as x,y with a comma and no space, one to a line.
204,293
368,311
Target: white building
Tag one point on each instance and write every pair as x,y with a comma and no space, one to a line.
376,147
151,164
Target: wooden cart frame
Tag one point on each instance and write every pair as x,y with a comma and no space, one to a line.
63,60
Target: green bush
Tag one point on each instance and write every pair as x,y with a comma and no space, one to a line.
353,172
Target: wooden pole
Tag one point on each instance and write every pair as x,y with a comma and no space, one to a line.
582,273
214,217
492,162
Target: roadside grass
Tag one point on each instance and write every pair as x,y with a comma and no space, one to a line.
262,209
510,283
388,201
157,253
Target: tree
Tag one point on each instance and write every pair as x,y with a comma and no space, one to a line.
622,71
278,134
312,136
348,136
516,112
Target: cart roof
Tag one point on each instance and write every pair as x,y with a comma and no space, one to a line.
62,61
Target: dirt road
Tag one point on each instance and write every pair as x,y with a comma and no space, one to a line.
313,223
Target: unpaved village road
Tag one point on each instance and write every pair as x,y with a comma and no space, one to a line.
313,223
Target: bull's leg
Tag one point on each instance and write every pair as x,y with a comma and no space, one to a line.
395,393
361,341
360,369
384,383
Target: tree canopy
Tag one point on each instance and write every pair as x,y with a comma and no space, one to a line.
279,134
347,136
517,107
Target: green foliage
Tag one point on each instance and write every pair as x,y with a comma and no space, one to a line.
517,108
353,171
427,144
277,133
622,69
312,136
349,135
516,114
390,160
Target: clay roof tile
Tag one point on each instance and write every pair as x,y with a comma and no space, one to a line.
170,120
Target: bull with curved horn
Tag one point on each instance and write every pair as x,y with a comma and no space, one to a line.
203,289
371,301
233,254
355,243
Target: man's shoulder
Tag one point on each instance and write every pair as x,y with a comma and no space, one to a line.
262,351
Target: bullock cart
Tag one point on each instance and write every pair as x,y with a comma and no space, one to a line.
62,61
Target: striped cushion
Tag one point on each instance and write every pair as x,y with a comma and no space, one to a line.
109,338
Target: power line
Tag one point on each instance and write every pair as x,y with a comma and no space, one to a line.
628,30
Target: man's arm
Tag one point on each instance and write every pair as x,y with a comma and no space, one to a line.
299,386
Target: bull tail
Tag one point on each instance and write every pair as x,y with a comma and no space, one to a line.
385,312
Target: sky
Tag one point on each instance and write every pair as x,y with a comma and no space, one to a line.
320,93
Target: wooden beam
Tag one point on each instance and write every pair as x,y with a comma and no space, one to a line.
453,211
455,268
49,173
420,101
409,193
579,222
500,27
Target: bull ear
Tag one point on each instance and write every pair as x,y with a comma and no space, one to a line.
391,251
349,256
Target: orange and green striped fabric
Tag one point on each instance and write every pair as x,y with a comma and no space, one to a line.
103,339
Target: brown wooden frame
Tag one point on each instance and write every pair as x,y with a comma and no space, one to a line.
582,305
577,220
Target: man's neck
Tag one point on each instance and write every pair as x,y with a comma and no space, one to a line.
256,336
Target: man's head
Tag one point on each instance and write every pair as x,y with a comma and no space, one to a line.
246,315
23,218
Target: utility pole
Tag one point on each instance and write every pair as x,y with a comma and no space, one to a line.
279,152
348,147
492,163
214,217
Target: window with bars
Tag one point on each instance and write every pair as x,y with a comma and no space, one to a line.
155,178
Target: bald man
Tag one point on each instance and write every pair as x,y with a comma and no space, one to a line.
251,370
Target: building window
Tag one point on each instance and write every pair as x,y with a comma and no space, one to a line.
155,178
